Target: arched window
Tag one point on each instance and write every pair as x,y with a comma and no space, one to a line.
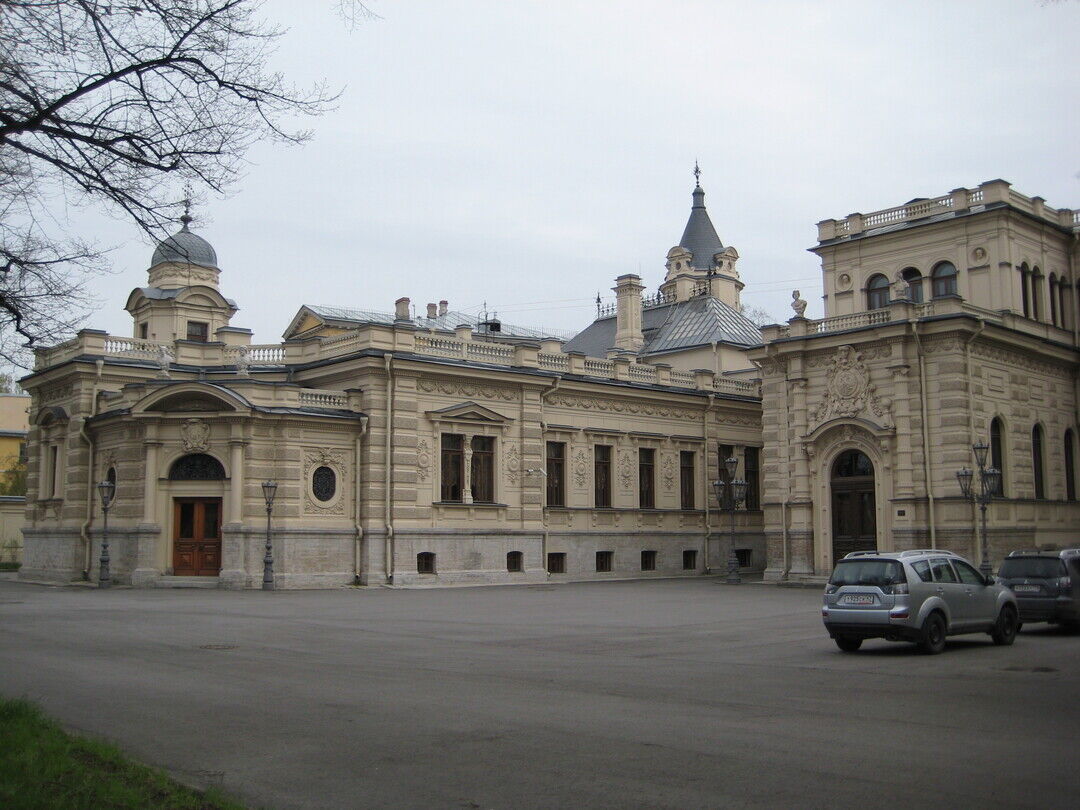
997,454
425,563
943,278
1064,300
196,467
852,464
1037,460
1036,291
1025,292
515,561
877,292
1053,300
915,283
1070,466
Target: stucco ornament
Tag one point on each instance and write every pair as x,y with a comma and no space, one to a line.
581,466
798,304
194,436
423,460
626,469
314,458
512,462
165,358
849,392
667,470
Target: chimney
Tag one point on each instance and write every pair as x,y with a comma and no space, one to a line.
431,313
401,310
443,307
628,334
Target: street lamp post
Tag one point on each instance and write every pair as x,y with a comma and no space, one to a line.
735,496
269,490
106,489
989,484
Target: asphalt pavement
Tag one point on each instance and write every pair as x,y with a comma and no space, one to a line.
660,694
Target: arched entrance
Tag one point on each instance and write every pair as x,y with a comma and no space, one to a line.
853,504
197,521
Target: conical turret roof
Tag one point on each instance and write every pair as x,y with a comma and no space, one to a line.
699,236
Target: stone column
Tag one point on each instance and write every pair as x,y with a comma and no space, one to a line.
148,532
233,539
466,484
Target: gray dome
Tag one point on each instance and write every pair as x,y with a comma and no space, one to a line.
185,247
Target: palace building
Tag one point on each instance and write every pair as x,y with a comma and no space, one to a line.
438,450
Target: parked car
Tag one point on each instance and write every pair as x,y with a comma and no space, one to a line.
1046,584
921,595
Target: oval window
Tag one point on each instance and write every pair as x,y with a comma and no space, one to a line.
324,483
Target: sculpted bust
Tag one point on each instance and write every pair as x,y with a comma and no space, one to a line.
798,304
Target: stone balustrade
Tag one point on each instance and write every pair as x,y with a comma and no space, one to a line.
960,199
404,339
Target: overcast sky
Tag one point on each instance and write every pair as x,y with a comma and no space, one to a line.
527,153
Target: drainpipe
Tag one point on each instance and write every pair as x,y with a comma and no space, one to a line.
705,475
84,434
544,537
356,500
925,435
388,519
971,404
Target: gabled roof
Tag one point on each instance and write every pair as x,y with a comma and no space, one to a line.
670,327
699,235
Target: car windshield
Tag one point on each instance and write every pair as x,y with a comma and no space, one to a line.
867,572
1038,567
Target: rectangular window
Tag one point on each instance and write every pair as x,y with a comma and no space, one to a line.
726,451
602,475
556,467
686,478
689,559
453,466
23,457
753,482
648,560
556,562
425,563
744,556
143,330
646,493
482,480
196,330
604,560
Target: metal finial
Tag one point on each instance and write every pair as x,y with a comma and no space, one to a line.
186,218
697,174
597,303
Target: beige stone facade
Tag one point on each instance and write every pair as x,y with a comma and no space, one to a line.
948,322
429,451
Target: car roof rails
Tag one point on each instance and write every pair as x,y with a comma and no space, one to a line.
1027,552
862,554
911,552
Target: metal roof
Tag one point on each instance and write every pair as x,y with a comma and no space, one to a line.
447,322
699,236
187,248
671,327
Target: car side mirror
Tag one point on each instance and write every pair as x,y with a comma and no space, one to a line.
991,579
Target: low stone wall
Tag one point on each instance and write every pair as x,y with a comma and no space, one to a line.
12,508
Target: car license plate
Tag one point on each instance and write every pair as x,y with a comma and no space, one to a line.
859,599
1026,588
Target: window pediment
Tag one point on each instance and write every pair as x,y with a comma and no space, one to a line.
470,413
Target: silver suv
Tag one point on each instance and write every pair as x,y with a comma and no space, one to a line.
921,595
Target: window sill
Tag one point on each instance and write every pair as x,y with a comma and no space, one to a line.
481,504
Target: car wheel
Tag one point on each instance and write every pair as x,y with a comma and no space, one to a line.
848,643
1004,632
933,634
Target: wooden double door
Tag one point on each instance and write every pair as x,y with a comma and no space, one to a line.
197,537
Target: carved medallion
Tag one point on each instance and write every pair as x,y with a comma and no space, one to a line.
581,467
423,460
667,472
194,436
626,469
849,392
512,462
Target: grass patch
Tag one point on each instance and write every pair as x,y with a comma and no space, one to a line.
10,566
42,767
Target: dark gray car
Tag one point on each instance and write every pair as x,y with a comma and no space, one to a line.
1046,584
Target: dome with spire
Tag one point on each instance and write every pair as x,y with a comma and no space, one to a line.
185,247
699,236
